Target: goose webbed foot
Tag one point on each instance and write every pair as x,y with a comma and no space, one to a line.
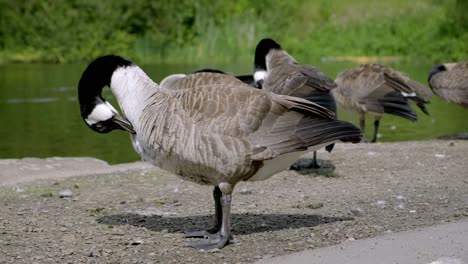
307,166
302,164
206,232
200,232
213,241
220,235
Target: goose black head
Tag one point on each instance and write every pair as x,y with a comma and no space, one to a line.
261,51
435,70
97,113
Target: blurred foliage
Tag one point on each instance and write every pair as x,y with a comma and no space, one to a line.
203,30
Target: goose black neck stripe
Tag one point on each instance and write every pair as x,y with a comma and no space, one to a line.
97,75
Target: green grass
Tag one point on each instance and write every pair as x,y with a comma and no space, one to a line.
228,31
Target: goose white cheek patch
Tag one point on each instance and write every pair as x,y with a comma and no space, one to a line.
101,112
408,94
260,75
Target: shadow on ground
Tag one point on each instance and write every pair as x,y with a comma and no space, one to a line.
242,224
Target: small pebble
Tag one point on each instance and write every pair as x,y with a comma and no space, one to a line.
357,212
65,194
381,203
136,242
400,197
245,191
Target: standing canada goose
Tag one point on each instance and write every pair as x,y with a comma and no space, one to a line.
278,72
450,81
376,89
208,128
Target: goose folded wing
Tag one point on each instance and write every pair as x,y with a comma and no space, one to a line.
265,120
317,79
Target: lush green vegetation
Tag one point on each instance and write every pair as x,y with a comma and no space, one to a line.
204,30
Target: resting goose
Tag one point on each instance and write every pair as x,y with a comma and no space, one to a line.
248,79
208,128
278,72
450,81
376,89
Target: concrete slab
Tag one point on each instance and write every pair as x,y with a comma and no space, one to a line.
14,171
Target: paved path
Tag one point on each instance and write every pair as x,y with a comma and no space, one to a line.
441,244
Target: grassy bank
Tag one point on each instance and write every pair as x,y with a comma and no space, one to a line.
184,32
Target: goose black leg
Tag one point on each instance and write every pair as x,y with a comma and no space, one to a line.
315,164
217,219
222,237
362,125
376,129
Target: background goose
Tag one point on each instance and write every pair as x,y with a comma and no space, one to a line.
450,81
246,78
278,72
376,89
208,128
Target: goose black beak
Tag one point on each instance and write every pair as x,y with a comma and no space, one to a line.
259,84
123,123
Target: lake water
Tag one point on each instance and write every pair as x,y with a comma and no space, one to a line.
40,114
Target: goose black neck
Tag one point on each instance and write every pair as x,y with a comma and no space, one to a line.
97,75
261,51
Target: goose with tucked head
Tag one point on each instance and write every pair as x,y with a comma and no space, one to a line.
98,113
210,128
375,89
450,81
278,72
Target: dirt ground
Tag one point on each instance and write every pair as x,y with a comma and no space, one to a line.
136,215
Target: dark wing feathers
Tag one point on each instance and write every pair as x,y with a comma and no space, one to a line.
305,106
397,83
396,104
286,137
323,99
303,81
317,79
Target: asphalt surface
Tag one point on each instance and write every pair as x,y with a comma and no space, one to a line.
404,202
441,244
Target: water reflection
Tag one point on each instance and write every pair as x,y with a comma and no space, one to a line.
40,113
31,100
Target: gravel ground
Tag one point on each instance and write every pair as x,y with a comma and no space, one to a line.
136,216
